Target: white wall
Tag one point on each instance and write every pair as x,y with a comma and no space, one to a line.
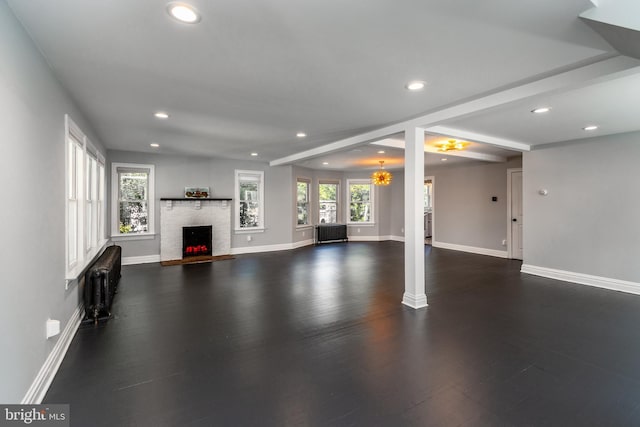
464,213
588,223
32,169
175,172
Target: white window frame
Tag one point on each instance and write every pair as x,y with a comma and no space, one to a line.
335,182
372,200
256,176
309,223
116,235
84,182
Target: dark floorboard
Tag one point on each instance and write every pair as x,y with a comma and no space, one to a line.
317,337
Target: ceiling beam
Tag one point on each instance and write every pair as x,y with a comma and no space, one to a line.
396,143
477,137
600,70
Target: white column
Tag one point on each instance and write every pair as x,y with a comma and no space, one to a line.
414,291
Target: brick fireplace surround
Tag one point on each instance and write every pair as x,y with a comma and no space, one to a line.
178,213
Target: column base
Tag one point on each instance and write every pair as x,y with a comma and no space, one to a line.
414,301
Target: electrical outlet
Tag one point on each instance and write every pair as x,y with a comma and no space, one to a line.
402,230
358,230
504,242
249,238
303,233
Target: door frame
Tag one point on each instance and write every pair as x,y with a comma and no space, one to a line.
510,171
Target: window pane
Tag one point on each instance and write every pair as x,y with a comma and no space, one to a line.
303,214
249,214
303,192
133,217
328,195
303,203
71,171
248,191
72,235
133,186
360,212
89,224
359,192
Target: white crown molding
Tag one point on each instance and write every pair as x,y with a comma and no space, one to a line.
583,279
146,259
470,249
48,371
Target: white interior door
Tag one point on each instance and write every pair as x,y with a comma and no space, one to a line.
515,214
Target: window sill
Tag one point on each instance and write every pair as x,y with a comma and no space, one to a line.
74,272
125,237
249,230
303,227
361,224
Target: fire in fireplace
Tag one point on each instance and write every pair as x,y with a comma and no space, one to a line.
197,241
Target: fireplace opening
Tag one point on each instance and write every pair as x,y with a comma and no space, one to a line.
197,241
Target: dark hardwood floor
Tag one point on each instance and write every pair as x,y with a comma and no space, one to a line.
318,337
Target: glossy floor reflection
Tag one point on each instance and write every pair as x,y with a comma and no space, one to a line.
317,336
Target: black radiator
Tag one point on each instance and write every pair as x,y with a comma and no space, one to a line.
331,233
100,284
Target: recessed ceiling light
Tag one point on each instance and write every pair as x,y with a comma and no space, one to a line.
416,85
381,152
154,145
254,154
325,163
183,12
541,110
301,135
444,159
161,115
588,128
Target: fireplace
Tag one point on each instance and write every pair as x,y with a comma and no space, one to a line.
197,241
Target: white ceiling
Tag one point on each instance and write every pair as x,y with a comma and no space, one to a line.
253,73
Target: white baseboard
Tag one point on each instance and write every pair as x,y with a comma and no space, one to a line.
146,259
43,380
582,279
356,238
396,238
265,248
303,243
470,249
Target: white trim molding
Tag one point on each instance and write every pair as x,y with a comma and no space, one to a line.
470,249
47,373
583,279
414,301
145,259
271,248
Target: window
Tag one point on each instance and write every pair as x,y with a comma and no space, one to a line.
360,201
85,200
249,190
328,202
132,200
302,201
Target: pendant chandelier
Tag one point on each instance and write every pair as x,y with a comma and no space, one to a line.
451,144
381,177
